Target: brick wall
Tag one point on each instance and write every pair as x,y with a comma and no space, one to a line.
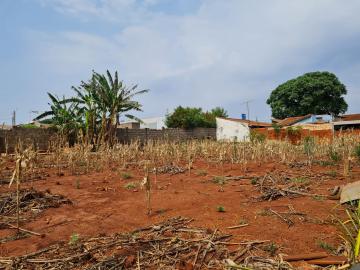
302,133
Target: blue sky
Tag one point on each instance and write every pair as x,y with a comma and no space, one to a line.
202,53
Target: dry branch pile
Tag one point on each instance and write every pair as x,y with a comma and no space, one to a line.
272,188
168,245
31,200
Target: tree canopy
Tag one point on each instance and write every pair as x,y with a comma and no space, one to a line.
188,117
311,93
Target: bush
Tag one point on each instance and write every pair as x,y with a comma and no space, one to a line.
309,144
357,151
334,156
257,137
294,131
277,129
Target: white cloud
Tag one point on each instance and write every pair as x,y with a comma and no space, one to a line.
226,52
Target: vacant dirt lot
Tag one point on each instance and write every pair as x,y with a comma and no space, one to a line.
106,203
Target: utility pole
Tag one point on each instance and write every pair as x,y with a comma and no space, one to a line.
247,107
13,118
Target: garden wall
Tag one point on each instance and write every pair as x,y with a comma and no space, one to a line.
298,135
41,137
172,134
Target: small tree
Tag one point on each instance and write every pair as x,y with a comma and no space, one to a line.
187,117
311,93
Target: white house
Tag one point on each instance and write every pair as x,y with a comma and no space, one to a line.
231,129
153,123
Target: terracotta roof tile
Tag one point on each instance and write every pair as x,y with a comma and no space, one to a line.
249,122
350,117
292,120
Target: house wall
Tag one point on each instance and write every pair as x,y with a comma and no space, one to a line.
228,130
132,125
153,123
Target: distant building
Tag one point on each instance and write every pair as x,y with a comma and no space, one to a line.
5,127
232,129
129,125
347,121
153,123
304,120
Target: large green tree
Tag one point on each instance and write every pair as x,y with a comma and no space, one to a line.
188,117
311,93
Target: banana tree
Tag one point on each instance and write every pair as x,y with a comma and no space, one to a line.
66,118
114,99
88,103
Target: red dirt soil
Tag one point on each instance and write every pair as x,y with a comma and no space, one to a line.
102,205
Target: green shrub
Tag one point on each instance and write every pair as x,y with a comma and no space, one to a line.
334,156
271,248
294,131
256,137
277,129
220,180
357,151
309,145
220,209
131,186
74,238
125,175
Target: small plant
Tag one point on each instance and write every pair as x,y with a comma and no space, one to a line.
350,229
220,180
309,145
74,239
125,175
130,186
334,156
294,131
256,137
326,163
254,181
357,151
326,246
277,129
300,180
271,248
201,173
318,198
220,209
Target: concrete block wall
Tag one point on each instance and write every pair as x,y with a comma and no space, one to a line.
41,138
